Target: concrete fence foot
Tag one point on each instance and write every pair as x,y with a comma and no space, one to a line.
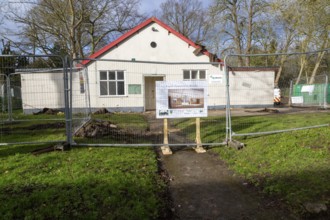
166,150
199,149
236,144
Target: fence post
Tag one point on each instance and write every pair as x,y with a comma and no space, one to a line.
228,114
3,89
10,110
290,94
68,117
325,106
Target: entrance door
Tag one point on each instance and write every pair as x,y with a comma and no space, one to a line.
150,91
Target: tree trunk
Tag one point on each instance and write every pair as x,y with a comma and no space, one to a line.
316,67
238,34
283,57
303,62
278,76
249,34
319,60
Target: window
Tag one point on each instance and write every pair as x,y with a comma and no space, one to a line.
112,82
194,74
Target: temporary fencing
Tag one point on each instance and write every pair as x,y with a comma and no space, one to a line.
118,89
102,102
306,94
33,103
274,93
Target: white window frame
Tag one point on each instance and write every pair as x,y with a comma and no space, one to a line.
192,72
108,80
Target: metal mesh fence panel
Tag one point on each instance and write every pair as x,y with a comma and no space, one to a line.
32,98
122,102
267,91
80,105
307,94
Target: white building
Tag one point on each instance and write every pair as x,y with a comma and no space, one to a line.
105,82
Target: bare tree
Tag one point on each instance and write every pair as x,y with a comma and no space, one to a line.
3,6
318,30
238,21
286,19
188,17
304,30
79,27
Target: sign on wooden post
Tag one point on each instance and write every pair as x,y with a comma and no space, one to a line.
181,99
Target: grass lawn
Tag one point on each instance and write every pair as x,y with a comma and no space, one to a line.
123,183
84,183
33,128
44,127
293,166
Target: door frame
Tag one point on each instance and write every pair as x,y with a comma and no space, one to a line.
145,87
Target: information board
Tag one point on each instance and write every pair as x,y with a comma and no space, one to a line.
181,99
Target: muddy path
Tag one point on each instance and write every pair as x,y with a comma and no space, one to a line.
202,187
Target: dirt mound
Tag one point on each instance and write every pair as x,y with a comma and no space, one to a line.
101,111
94,128
99,128
48,111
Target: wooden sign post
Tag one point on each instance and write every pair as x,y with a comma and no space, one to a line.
199,148
165,148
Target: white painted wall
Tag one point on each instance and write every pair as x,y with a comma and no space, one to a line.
41,90
46,89
251,88
169,47
135,73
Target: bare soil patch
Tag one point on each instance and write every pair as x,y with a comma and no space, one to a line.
55,125
101,128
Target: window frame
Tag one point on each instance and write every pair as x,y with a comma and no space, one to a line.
194,71
109,80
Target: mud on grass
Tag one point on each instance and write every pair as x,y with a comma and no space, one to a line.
97,130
